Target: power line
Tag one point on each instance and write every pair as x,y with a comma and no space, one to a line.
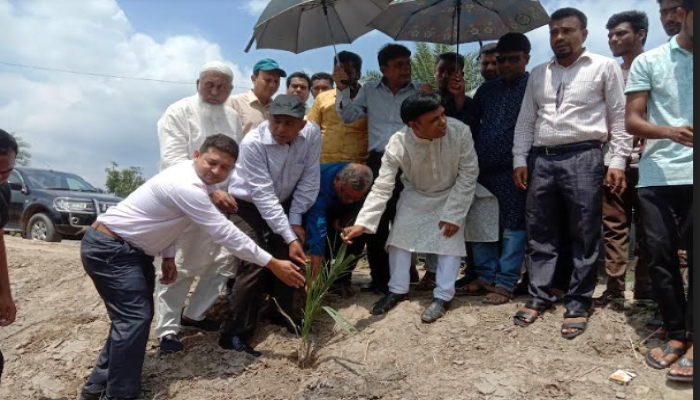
66,71
96,75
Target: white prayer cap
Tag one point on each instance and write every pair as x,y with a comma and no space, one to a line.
216,66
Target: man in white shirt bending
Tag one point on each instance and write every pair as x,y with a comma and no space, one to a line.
119,250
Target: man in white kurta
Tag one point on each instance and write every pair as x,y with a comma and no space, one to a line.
181,131
440,169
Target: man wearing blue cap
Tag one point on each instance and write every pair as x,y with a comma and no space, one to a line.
253,106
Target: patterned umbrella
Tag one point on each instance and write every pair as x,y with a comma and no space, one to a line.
454,22
302,25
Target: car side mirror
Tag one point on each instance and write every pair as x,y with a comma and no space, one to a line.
18,187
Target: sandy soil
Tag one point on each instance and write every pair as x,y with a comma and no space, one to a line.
474,353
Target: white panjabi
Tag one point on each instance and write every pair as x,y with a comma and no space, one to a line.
440,179
186,124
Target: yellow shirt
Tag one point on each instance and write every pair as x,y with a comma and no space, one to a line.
341,142
250,110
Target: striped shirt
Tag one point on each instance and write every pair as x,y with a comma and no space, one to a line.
581,103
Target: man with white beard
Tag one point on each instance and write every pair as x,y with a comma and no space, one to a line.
182,130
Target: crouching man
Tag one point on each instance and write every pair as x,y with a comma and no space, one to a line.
343,188
440,170
119,250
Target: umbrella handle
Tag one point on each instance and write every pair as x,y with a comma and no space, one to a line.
330,31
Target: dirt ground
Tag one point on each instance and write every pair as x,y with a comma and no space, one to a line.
474,353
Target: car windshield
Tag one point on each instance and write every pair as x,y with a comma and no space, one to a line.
50,180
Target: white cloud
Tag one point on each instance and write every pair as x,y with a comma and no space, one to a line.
255,7
78,123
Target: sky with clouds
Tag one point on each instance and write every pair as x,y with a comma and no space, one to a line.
82,123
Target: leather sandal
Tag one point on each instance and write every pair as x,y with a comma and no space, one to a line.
667,351
580,327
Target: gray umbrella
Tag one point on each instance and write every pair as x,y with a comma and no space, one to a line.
459,21
299,25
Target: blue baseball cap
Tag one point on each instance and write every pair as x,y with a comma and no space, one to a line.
267,65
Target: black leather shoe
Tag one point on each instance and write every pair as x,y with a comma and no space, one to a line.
237,343
171,345
436,310
92,392
105,397
206,325
389,302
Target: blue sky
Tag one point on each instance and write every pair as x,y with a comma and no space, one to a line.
81,123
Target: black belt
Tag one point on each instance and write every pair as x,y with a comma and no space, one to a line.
569,148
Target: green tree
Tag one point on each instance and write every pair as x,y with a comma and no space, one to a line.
24,157
123,182
423,62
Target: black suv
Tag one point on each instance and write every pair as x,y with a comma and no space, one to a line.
48,205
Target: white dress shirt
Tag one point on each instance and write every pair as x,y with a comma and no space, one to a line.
269,174
381,106
155,216
188,123
564,106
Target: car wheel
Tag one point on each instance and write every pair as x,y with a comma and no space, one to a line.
42,229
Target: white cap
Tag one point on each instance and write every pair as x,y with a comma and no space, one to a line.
216,66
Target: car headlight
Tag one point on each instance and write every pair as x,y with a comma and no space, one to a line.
106,206
74,205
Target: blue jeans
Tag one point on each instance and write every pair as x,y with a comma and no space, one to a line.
505,270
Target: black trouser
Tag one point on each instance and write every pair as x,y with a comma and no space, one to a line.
568,184
344,216
667,215
254,281
125,278
377,255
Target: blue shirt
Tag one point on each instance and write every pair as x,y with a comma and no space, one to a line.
382,108
667,74
316,218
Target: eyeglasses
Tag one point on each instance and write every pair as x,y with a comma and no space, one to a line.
509,59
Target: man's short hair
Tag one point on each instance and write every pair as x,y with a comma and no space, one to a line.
348,57
391,52
688,5
298,75
637,19
358,176
514,42
418,105
488,49
571,12
222,143
453,57
323,76
8,144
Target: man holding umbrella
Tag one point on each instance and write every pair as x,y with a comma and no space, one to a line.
381,104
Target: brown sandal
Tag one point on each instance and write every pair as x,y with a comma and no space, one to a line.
499,296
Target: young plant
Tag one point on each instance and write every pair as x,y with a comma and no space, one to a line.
318,289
